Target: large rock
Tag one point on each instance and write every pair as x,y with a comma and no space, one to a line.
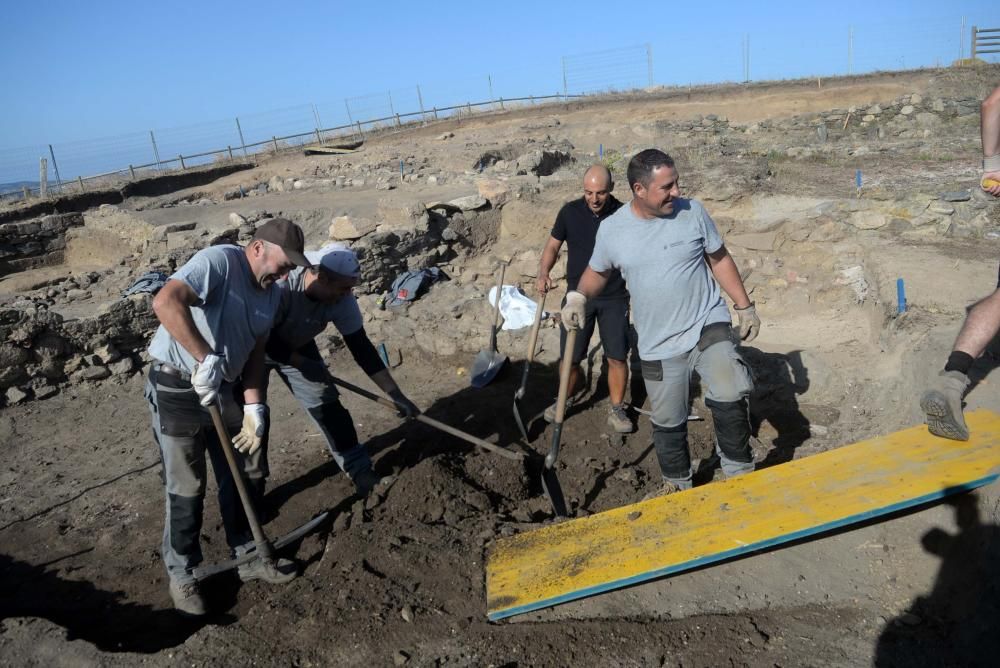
346,228
868,220
494,190
468,203
762,241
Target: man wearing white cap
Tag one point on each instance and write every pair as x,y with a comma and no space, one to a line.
311,299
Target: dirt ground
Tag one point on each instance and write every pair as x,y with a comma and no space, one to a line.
398,578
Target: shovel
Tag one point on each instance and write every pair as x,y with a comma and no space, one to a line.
489,362
550,483
532,340
263,548
388,403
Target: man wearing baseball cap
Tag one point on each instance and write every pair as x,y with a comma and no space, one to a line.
215,314
312,298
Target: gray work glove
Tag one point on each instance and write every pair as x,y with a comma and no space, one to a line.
749,322
405,408
252,435
575,311
207,378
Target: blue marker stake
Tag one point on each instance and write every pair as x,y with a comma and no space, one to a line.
400,170
600,151
857,178
901,295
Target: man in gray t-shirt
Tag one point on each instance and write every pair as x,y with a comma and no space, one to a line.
311,299
674,262
215,314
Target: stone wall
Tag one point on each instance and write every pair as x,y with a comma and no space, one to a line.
35,243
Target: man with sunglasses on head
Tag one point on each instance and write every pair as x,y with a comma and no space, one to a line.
215,314
312,298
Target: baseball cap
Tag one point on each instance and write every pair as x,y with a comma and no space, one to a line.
336,258
288,236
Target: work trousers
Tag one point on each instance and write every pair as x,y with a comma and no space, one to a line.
727,382
184,432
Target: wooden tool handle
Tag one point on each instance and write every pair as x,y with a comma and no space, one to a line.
535,326
564,370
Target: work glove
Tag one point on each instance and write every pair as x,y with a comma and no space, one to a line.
404,407
207,378
749,322
574,312
252,435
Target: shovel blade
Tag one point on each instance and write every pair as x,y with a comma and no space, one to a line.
553,490
486,366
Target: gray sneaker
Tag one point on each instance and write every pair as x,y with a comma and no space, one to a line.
276,572
942,404
187,598
550,412
619,420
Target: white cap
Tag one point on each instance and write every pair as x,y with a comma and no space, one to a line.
337,258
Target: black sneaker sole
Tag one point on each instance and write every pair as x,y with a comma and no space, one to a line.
940,421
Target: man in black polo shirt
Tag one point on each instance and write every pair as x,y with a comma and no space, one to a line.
577,225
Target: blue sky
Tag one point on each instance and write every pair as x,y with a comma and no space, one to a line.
80,71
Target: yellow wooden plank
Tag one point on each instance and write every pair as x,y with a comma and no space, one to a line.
721,520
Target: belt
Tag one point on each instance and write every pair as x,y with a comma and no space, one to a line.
163,367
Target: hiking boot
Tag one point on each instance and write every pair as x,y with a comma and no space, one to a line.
279,571
187,598
663,490
619,420
550,412
942,404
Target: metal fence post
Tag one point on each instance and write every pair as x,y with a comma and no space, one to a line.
230,153
156,154
55,167
243,144
131,171
972,44
435,113
319,140
420,100
181,158
391,109
43,177
360,131
501,102
274,140
565,88
79,179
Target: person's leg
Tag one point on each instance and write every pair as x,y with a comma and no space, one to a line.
612,318
183,457
668,384
942,402
728,383
990,133
312,387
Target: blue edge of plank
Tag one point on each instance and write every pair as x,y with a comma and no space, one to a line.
744,549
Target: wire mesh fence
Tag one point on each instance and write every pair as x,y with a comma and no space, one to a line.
687,59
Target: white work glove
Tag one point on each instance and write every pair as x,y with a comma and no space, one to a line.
574,312
207,378
252,435
749,322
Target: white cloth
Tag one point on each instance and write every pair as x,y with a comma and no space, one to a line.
517,310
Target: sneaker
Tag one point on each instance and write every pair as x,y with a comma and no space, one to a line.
942,404
663,490
619,420
276,572
550,412
187,598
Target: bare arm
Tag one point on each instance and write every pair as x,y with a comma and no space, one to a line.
592,282
172,306
724,269
254,389
549,255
